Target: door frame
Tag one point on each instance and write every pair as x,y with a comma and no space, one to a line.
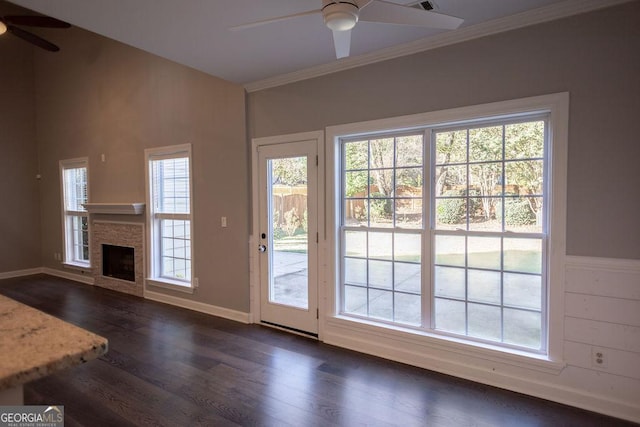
254,240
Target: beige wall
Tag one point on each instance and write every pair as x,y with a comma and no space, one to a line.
594,56
97,96
19,205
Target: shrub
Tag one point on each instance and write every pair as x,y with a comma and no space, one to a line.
305,221
516,212
379,208
278,233
291,221
451,211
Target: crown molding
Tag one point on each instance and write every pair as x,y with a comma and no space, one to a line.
500,25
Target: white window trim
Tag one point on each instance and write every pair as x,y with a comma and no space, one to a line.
153,279
337,328
80,162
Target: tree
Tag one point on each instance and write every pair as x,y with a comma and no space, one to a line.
381,159
519,147
485,147
526,141
357,161
376,156
450,148
290,171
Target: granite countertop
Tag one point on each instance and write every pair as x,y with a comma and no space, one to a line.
34,344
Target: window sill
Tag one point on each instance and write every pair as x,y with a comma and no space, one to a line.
77,266
399,337
173,285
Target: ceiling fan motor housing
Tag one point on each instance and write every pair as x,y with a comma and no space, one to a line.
340,15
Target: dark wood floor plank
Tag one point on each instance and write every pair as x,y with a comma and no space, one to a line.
175,367
58,390
304,391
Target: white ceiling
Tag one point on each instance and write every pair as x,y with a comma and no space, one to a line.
196,32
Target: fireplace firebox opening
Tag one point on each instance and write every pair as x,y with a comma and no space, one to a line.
118,262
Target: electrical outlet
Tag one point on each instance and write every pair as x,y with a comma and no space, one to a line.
598,357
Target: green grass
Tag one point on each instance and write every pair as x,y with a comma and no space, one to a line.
296,244
520,261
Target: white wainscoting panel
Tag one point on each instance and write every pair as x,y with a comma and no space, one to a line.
602,315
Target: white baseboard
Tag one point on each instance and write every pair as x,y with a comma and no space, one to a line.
82,278
226,313
21,273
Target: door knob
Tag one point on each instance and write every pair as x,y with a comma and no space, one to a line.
262,248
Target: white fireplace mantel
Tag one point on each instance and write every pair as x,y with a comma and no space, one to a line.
115,208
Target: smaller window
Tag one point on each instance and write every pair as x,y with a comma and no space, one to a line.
169,202
75,193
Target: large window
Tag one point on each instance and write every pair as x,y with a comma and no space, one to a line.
488,231
75,193
461,252
169,174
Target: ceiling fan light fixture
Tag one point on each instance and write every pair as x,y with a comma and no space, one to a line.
340,16
3,28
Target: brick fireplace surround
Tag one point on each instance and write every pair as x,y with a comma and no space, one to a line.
117,233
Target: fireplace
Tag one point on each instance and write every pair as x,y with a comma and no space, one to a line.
118,262
118,250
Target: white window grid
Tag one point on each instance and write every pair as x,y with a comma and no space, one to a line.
171,217
76,217
381,242
505,235
428,263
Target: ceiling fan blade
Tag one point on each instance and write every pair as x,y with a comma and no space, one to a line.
36,21
392,13
33,39
362,3
270,20
342,43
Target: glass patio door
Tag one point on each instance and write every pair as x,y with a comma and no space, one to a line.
287,239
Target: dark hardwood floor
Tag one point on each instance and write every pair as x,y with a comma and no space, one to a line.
175,367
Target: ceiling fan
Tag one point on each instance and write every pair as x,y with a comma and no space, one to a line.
9,22
341,16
